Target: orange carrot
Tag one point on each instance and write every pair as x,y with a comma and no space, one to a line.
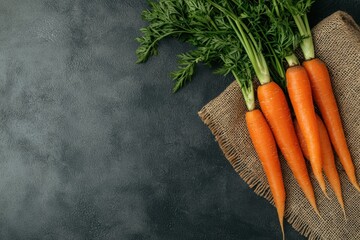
265,146
327,156
299,89
276,110
325,99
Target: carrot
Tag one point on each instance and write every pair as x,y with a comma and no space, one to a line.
265,146
325,99
327,156
299,90
276,110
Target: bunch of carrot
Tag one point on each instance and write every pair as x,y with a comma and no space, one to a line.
249,38
307,84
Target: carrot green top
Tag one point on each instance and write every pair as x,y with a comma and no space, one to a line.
220,39
232,35
299,9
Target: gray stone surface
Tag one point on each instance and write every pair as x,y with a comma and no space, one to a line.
93,146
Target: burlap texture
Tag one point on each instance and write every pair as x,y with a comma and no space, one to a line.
337,43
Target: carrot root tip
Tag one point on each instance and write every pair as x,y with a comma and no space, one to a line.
326,195
282,230
318,213
357,187
323,189
345,217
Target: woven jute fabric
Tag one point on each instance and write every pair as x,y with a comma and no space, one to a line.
337,43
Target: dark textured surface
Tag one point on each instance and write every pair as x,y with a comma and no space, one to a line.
93,146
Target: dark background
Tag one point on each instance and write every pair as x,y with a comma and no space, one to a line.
94,146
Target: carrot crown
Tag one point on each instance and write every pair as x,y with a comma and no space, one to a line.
299,10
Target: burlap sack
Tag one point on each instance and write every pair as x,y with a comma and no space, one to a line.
337,41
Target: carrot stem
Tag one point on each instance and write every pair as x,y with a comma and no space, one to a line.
302,23
247,90
251,46
292,60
